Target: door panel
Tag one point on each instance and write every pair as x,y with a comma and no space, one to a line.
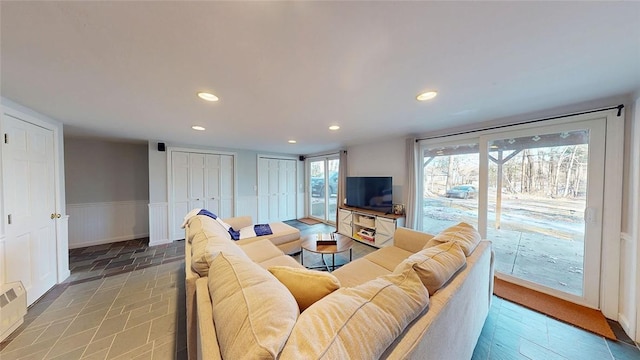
29,188
543,185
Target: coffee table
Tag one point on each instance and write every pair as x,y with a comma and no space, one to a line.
343,243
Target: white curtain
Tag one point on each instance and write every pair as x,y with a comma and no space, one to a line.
342,184
410,185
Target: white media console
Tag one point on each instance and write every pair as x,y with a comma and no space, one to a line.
369,227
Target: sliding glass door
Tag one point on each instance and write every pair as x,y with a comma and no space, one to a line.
323,188
536,192
544,201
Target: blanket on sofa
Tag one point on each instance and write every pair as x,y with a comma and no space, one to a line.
244,233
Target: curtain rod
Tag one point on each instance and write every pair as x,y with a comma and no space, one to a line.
619,107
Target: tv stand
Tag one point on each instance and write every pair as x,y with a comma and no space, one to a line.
373,228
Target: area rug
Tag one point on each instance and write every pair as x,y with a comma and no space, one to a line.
577,315
309,221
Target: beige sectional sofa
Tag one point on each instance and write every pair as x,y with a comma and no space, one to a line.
207,231
394,303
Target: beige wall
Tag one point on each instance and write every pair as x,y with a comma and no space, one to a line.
380,158
98,171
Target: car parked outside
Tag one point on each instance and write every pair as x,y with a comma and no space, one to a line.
318,188
462,192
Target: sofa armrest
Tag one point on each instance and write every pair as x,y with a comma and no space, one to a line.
208,348
410,240
239,222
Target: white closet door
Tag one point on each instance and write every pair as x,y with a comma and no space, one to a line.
29,188
227,191
200,180
196,181
290,190
180,191
212,176
276,190
274,197
263,190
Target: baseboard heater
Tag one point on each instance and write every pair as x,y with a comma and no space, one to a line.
13,307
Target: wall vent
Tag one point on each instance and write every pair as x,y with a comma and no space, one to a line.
13,307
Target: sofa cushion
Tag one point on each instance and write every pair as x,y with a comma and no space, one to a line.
282,233
388,257
464,234
306,286
359,272
435,265
358,322
206,245
253,311
283,260
262,250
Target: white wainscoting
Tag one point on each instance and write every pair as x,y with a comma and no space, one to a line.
628,301
158,223
62,237
4,261
102,223
247,205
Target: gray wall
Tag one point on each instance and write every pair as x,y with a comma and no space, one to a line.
105,171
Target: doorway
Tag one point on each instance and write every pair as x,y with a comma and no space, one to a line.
544,214
537,192
323,188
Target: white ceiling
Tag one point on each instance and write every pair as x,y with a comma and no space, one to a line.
288,70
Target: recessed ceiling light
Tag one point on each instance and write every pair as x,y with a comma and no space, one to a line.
292,141
198,127
207,96
334,127
427,95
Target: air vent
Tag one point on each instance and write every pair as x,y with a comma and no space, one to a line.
13,307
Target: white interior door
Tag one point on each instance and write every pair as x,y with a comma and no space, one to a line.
29,188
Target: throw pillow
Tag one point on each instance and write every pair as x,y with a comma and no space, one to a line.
463,234
306,286
359,322
253,312
435,265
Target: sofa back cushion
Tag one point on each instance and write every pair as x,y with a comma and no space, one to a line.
359,322
253,312
206,245
462,233
307,286
435,265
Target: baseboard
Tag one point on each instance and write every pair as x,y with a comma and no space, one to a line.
160,242
628,329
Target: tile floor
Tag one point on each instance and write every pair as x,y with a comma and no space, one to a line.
125,301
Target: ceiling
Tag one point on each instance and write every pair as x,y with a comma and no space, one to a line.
288,70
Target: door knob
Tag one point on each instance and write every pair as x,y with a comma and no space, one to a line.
53,216
58,216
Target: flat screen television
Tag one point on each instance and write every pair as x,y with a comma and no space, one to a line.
370,192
